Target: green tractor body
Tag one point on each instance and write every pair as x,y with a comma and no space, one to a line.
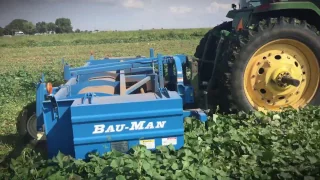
265,59
254,11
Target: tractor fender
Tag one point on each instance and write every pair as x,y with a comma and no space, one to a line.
240,18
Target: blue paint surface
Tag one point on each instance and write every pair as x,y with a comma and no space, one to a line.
78,123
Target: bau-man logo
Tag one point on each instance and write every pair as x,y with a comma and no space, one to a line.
141,125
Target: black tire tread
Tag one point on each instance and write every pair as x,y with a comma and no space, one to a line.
227,25
212,37
233,99
21,124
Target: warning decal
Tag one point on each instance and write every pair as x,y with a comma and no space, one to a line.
168,141
149,143
180,79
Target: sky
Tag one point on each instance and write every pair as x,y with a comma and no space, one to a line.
119,14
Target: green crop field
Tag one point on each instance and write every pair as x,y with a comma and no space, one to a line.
239,146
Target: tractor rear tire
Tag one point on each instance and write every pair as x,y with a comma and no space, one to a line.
257,60
206,50
206,68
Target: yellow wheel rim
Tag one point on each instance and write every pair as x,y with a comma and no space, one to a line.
265,72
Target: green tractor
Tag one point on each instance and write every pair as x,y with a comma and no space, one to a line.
265,59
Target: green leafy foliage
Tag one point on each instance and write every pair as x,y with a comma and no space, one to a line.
63,25
1,31
102,38
41,27
238,146
16,25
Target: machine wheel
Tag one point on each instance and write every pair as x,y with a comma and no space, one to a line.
272,66
27,122
206,68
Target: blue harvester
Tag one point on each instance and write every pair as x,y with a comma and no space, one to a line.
115,104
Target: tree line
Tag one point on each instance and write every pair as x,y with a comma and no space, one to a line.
61,25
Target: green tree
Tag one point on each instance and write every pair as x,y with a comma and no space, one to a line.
77,31
16,25
7,31
41,27
63,25
1,31
51,26
29,28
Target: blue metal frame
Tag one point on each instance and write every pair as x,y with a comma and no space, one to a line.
69,116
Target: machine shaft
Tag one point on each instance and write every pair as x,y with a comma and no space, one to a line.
290,80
